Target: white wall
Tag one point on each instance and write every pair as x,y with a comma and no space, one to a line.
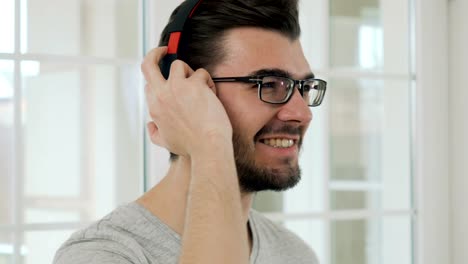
459,127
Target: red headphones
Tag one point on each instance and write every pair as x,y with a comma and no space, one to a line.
175,29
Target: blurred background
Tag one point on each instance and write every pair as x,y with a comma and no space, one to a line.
384,163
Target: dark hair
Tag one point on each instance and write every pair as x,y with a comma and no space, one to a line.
202,39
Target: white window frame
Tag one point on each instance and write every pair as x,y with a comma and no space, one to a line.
431,134
459,128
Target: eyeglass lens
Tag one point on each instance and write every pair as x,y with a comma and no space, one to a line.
278,89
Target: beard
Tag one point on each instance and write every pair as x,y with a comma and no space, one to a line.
254,177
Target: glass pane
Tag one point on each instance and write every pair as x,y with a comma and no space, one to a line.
312,17
370,34
82,27
345,200
370,143
268,201
6,140
83,140
39,252
6,248
7,26
371,241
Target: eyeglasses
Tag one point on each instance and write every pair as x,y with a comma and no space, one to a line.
278,90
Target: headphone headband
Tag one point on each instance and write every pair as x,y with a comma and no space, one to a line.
175,29
185,12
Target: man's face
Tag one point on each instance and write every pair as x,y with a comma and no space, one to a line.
263,132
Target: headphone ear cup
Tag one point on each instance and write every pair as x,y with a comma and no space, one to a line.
165,64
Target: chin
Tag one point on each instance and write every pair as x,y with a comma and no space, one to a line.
262,178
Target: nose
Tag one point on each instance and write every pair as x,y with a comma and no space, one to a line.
296,109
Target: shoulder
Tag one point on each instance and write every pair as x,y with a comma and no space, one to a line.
94,252
278,242
123,236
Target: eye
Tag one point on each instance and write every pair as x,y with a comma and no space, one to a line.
307,87
270,84
274,82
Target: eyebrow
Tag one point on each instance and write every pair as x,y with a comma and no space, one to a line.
279,72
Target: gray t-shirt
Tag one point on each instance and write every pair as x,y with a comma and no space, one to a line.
132,234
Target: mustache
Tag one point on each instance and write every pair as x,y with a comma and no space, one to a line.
285,129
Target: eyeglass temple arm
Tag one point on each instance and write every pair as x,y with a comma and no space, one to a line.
247,79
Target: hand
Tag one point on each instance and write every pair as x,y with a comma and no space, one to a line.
186,114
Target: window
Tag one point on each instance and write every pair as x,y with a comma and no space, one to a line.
70,112
71,108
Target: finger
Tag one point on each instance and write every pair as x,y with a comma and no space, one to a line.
149,95
204,76
150,102
150,65
180,69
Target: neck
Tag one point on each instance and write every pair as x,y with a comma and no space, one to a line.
168,199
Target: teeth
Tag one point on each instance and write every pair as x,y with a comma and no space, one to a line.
279,142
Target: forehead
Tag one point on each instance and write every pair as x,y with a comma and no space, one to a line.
251,49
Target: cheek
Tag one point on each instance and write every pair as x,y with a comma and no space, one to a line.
245,119
243,123
245,111
233,103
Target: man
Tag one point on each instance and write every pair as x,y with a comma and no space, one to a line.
233,118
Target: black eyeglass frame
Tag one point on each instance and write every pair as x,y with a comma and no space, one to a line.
299,83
